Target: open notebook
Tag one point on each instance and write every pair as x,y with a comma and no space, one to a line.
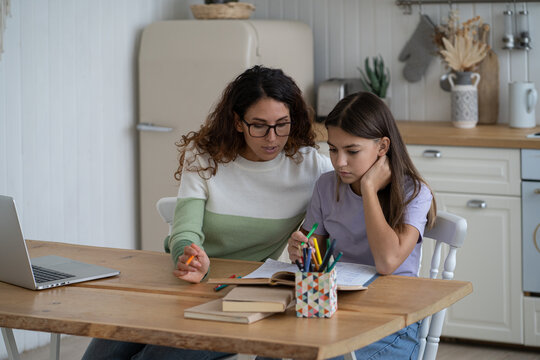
272,272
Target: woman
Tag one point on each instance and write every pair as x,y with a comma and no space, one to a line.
245,181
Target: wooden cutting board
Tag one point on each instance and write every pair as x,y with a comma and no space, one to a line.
488,89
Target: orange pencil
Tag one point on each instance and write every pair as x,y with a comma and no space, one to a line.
314,260
189,260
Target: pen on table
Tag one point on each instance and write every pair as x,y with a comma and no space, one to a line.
327,255
190,259
335,262
221,286
310,232
317,252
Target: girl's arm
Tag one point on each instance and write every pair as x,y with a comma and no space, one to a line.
389,248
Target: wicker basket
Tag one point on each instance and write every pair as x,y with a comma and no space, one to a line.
230,10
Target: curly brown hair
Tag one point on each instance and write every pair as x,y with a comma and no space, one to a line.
218,136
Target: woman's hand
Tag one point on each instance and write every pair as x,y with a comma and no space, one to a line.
294,246
378,176
197,268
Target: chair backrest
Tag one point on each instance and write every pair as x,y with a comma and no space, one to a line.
165,207
448,229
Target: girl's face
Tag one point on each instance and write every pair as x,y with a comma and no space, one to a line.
352,156
266,111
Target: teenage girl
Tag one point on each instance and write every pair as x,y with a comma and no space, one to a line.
375,203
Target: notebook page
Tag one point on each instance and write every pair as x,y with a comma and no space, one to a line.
347,273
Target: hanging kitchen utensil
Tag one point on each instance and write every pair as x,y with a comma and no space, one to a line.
508,37
488,88
524,36
419,50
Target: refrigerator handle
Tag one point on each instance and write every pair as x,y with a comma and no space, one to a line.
152,127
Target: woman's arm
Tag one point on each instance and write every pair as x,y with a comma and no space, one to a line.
389,247
186,239
198,264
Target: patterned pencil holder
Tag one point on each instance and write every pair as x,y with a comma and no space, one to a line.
316,294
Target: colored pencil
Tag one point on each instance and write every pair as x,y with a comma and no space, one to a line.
317,252
327,255
335,262
311,232
222,286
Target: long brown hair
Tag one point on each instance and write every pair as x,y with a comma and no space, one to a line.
218,136
365,115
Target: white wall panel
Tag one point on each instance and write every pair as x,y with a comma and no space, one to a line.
68,97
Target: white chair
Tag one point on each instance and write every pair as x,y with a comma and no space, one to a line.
448,229
165,207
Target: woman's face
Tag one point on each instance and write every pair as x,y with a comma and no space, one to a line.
351,156
266,111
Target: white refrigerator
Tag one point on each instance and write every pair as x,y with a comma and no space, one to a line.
184,66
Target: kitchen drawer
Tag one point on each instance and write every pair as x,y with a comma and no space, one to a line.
468,169
531,315
530,164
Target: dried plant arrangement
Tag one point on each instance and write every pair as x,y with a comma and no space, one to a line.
462,46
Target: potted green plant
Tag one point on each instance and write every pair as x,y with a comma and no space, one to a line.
376,77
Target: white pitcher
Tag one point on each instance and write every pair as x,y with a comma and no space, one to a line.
464,100
523,98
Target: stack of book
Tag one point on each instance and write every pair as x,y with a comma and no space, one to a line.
244,304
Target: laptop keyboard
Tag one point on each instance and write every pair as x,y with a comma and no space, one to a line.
42,274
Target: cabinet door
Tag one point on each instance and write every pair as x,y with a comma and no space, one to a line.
491,259
532,320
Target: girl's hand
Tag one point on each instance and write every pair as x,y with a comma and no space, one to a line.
294,246
378,176
197,268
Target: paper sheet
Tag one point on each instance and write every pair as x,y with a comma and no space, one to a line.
347,273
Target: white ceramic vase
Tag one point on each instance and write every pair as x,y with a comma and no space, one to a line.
464,99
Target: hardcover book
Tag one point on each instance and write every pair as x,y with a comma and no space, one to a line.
258,299
212,310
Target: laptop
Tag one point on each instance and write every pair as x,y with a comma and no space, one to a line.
39,273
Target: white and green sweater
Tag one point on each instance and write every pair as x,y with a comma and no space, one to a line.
248,209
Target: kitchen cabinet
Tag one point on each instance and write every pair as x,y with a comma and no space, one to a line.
532,320
483,186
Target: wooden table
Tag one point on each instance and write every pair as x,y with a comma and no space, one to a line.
145,303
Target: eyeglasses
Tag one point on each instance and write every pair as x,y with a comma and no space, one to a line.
261,130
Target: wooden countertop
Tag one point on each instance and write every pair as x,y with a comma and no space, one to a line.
444,133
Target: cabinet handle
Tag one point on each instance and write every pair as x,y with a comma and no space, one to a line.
534,238
431,153
480,204
152,127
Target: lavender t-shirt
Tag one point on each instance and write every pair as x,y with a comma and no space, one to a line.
345,222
